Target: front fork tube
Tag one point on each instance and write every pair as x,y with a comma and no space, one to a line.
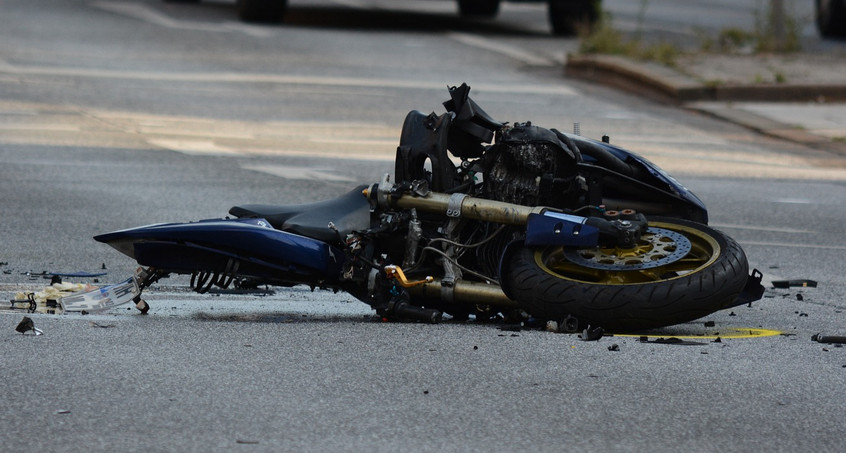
455,205
545,226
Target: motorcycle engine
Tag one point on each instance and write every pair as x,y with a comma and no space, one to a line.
531,166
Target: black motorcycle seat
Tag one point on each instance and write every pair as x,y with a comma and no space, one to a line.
349,212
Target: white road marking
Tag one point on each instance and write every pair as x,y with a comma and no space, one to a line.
760,228
147,14
298,173
491,45
353,141
193,147
793,201
282,79
44,127
793,245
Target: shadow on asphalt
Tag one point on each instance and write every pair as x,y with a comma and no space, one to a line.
381,20
352,19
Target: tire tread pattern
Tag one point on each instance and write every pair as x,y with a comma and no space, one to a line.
637,306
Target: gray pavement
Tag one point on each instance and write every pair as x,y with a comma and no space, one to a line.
97,138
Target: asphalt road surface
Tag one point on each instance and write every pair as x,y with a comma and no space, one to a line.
121,113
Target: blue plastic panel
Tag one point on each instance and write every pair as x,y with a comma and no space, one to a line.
555,228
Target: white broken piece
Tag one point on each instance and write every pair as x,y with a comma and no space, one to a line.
101,298
54,292
77,297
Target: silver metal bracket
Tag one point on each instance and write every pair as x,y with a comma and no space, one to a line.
454,204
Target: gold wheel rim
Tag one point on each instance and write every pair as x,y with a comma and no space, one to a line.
703,252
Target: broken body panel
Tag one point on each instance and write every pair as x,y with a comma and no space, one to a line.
213,245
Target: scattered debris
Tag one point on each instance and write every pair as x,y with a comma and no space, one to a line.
53,275
830,339
590,334
794,283
79,297
246,442
614,347
28,303
511,328
54,292
671,340
752,291
710,324
95,298
63,412
102,326
570,324
26,325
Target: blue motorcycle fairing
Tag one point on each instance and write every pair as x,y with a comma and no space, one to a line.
555,228
631,158
210,244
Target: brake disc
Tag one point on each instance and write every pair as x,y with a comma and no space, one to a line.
657,247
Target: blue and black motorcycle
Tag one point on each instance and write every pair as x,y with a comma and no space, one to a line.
480,218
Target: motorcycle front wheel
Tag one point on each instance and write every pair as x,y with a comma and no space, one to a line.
679,271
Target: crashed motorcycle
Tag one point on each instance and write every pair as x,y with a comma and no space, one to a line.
481,218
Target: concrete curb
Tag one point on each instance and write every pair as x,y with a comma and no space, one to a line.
644,79
673,86
664,84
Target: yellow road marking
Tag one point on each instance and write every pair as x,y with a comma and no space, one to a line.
730,332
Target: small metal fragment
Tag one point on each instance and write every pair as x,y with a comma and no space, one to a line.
831,339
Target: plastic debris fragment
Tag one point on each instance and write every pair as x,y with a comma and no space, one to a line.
592,334
671,340
794,283
26,326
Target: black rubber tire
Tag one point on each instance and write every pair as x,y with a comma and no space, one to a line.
478,8
713,282
831,18
262,11
569,17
